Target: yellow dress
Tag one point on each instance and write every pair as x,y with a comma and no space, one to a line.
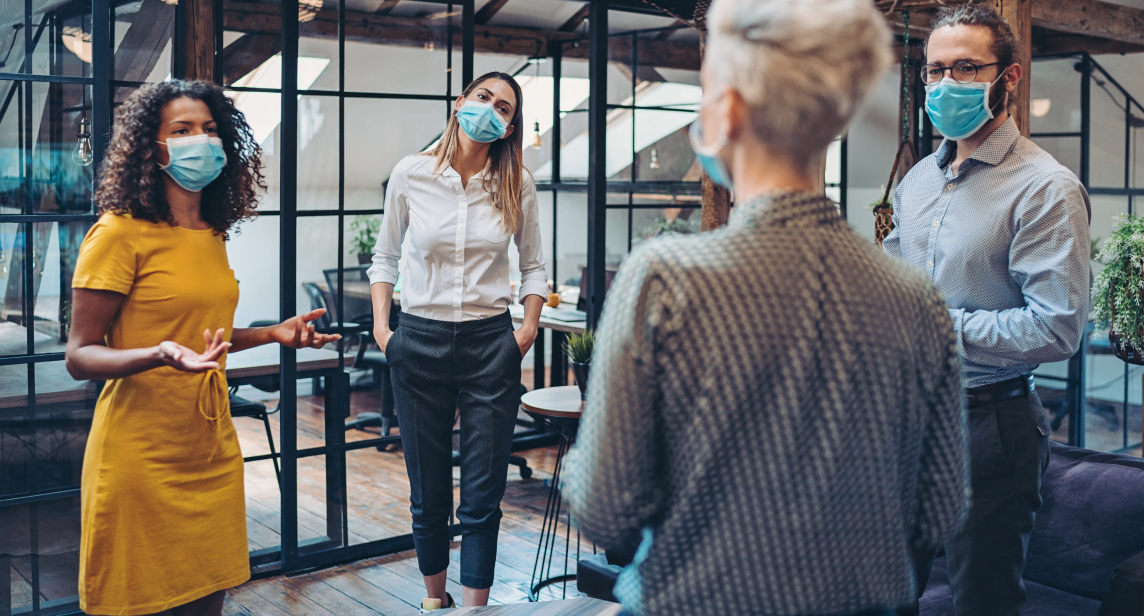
163,508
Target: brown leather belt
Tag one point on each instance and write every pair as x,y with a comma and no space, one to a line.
998,392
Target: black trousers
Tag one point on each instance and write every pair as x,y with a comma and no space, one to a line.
436,366
1008,453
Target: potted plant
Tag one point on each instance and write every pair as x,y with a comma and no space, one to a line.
365,230
578,348
1118,294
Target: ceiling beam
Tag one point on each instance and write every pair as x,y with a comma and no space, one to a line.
247,53
386,7
488,11
576,20
1093,18
258,18
1051,44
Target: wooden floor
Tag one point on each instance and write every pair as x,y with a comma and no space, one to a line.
378,508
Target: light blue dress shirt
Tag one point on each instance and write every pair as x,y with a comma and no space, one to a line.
1006,241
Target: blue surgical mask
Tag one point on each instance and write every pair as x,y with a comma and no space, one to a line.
959,110
709,155
481,122
195,161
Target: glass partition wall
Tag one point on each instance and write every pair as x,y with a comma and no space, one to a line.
1091,123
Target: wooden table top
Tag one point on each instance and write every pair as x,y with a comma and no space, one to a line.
559,402
569,607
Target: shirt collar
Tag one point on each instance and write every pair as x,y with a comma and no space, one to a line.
991,151
788,208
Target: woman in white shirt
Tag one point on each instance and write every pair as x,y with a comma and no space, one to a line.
460,204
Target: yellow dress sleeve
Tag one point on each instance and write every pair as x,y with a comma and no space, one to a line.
107,257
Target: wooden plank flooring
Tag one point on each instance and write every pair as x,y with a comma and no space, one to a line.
378,507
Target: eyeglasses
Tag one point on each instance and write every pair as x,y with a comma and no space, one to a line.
961,72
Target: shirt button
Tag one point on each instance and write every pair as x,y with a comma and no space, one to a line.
949,186
929,264
936,223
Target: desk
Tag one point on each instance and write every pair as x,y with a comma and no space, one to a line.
570,607
558,408
560,329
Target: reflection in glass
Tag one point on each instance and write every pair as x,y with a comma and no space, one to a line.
47,564
37,173
252,37
60,39
143,40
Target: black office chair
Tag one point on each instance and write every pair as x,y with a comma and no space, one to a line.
241,407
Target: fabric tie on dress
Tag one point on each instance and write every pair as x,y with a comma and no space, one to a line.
213,403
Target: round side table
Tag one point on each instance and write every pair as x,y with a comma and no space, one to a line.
558,408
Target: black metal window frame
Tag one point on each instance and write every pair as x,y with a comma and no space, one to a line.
100,110
1076,382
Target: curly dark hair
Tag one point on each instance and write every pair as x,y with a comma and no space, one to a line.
130,180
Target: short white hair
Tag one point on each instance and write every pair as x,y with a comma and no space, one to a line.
804,67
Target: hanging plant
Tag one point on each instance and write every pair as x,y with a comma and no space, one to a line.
1118,294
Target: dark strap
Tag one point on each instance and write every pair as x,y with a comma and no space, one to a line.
997,392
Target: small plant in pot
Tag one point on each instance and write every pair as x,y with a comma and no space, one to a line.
1118,294
365,230
578,348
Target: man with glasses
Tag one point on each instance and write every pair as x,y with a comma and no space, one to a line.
1003,230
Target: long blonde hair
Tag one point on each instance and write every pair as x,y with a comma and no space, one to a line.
506,166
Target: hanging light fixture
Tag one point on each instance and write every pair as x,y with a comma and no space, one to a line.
537,142
654,159
83,153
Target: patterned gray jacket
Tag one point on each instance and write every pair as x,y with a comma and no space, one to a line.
777,406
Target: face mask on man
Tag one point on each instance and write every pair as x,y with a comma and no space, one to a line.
708,155
195,161
959,110
481,122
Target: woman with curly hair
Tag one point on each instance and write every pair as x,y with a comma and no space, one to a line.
163,510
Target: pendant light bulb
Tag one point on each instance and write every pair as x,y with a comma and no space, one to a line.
83,154
537,142
654,160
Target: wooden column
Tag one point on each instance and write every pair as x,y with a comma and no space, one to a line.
716,207
198,41
1019,14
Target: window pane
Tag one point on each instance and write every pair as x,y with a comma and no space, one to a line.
1054,96
379,133
251,40
318,154
62,182
1107,137
403,52
39,552
143,32
60,42
56,249
318,46
13,333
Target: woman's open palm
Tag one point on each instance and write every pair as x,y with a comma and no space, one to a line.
182,358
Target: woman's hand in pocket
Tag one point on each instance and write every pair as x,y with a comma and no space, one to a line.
382,335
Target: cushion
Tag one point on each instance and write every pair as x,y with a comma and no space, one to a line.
1081,534
1042,600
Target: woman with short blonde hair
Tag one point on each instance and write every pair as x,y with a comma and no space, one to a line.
776,413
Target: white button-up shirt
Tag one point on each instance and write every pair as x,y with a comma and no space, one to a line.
457,268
